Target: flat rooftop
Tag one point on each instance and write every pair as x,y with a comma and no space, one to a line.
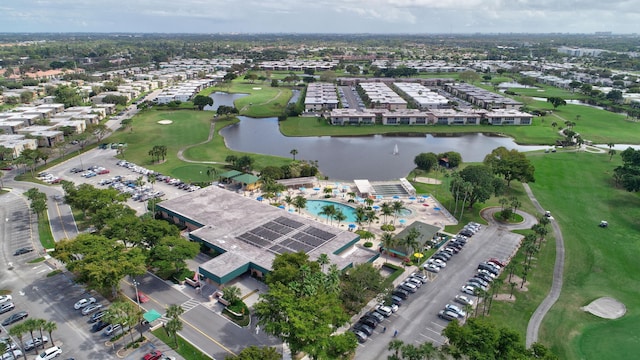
251,231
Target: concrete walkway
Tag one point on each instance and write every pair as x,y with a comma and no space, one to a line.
556,286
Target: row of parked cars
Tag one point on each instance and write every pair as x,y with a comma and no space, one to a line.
12,349
158,176
438,261
131,187
48,178
366,325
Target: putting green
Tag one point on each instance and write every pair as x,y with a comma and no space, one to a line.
622,340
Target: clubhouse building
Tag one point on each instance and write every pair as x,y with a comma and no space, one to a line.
248,234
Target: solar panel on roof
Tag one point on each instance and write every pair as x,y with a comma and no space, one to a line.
279,228
289,222
298,246
324,235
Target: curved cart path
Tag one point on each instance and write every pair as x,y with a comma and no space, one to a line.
556,285
180,154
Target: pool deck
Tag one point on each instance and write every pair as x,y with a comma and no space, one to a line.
423,208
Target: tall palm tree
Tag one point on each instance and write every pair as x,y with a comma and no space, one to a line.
339,216
612,152
395,345
328,211
50,327
369,202
293,152
388,242
172,327
386,210
31,325
397,207
299,202
288,200
361,215
40,323
174,310
323,259
410,242
371,217
18,331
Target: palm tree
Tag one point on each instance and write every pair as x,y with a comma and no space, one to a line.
512,285
327,191
328,211
339,216
294,152
31,325
397,207
371,217
172,327
288,200
395,345
386,210
361,215
410,242
50,327
231,293
299,202
174,310
40,324
323,259
388,242
612,152
17,331
368,201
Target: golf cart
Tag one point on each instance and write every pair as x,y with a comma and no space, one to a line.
603,224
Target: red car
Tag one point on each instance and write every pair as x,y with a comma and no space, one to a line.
154,355
142,297
102,172
500,263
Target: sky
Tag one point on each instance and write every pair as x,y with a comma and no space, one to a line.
320,16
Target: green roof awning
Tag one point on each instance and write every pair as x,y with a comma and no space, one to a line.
152,315
229,174
246,179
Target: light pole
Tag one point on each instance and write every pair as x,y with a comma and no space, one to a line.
135,286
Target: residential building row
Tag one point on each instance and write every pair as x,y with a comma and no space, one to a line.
428,66
430,117
381,96
420,96
480,97
29,127
184,91
321,96
299,65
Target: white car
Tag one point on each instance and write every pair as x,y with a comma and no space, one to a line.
469,290
437,262
5,298
414,281
84,302
464,300
50,353
456,309
386,311
35,343
11,355
91,308
432,268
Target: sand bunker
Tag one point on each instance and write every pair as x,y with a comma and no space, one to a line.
165,122
257,88
606,308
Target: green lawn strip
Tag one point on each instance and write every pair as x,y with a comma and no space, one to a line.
516,314
82,222
44,232
577,188
546,91
185,349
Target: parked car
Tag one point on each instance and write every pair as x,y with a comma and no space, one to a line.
91,308
464,300
386,311
414,281
401,293
142,297
84,302
437,262
368,321
447,315
8,344
395,300
97,316
376,315
476,285
500,263
99,326
12,355
432,268
456,309
364,328
362,337
112,329
408,287
5,298
15,318
420,276
153,355
35,343
469,290
50,353
23,250
6,307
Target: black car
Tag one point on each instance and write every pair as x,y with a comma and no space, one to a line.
369,322
364,328
466,233
402,294
23,250
97,316
15,318
99,326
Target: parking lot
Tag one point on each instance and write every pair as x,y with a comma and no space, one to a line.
417,318
132,179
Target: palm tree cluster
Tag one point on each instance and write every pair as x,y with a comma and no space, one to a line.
30,326
332,213
157,152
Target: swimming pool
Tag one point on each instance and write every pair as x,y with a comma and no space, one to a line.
315,208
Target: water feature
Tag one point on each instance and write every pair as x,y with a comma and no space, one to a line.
315,207
223,98
359,157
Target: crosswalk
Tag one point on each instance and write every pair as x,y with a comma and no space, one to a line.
186,306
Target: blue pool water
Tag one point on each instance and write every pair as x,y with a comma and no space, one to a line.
315,208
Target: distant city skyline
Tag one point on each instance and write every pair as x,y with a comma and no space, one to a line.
320,16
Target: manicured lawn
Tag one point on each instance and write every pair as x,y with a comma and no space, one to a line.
546,91
44,232
185,349
578,189
263,100
189,128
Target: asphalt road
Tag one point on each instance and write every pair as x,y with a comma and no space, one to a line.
416,320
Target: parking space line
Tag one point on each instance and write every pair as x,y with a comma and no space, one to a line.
208,337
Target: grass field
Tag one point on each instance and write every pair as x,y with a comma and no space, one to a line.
263,100
546,91
577,188
185,349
